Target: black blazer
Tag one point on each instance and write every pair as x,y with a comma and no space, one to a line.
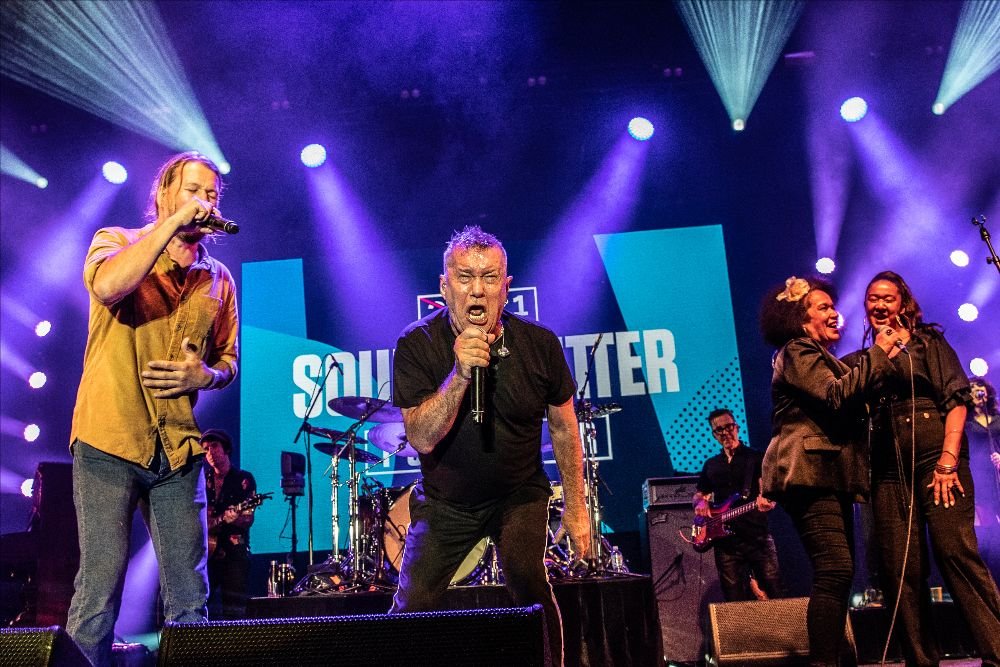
818,424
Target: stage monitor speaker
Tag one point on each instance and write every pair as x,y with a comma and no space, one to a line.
684,581
39,647
764,632
498,637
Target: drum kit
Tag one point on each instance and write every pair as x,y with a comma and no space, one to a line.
379,516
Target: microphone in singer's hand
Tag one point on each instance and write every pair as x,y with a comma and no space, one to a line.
900,344
220,224
478,389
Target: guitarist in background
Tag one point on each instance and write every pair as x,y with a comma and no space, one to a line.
749,550
228,530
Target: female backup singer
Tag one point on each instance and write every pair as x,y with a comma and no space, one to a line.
982,426
921,482
816,464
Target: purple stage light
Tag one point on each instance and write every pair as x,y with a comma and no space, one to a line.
313,155
37,380
640,128
43,328
959,258
42,182
854,109
968,312
31,432
27,487
114,173
825,265
979,367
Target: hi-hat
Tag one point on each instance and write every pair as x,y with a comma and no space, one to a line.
391,437
363,407
344,450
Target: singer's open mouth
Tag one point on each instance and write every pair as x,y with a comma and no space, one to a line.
477,315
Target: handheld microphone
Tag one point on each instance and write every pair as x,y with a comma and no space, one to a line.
220,224
898,343
478,391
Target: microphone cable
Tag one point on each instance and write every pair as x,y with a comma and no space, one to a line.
912,498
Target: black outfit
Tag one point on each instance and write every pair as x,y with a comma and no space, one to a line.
482,479
939,384
816,466
983,441
229,564
750,546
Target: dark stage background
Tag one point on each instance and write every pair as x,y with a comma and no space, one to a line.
486,143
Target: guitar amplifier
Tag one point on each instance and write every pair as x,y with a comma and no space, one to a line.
668,491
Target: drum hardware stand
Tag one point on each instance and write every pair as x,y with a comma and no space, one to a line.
604,560
304,427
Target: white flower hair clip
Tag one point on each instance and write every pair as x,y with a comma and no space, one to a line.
795,289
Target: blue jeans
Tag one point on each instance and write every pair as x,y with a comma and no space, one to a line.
441,535
106,492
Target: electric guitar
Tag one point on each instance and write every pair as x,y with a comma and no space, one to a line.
705,530
215,520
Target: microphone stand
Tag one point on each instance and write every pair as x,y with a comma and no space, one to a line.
985,235
302,427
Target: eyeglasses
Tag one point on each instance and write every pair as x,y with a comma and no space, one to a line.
725,428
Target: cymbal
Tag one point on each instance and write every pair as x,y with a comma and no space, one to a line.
362,407
344,450
391,437
332,434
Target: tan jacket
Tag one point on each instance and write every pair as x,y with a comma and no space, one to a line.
114,412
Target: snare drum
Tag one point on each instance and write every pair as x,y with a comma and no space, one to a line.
394,539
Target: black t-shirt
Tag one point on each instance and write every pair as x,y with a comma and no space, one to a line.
475,464
725,478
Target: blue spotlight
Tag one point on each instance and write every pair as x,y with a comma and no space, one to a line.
979,367
114,172
854,109
313,155
739,125
42,182
968,312
225,167
37,380
31,432
640,128
825,265
43,328
974,54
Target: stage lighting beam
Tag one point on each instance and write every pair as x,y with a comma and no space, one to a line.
12,165
974,54
113,59
739,42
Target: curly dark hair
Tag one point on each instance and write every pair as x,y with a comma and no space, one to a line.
781,321
991,395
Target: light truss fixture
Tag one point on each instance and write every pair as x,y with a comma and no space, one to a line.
113,59
12,165
974,54
739,42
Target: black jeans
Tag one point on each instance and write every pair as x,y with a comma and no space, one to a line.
441,535
736,555
825,522
953,541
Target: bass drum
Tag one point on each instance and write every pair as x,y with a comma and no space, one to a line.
397,523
